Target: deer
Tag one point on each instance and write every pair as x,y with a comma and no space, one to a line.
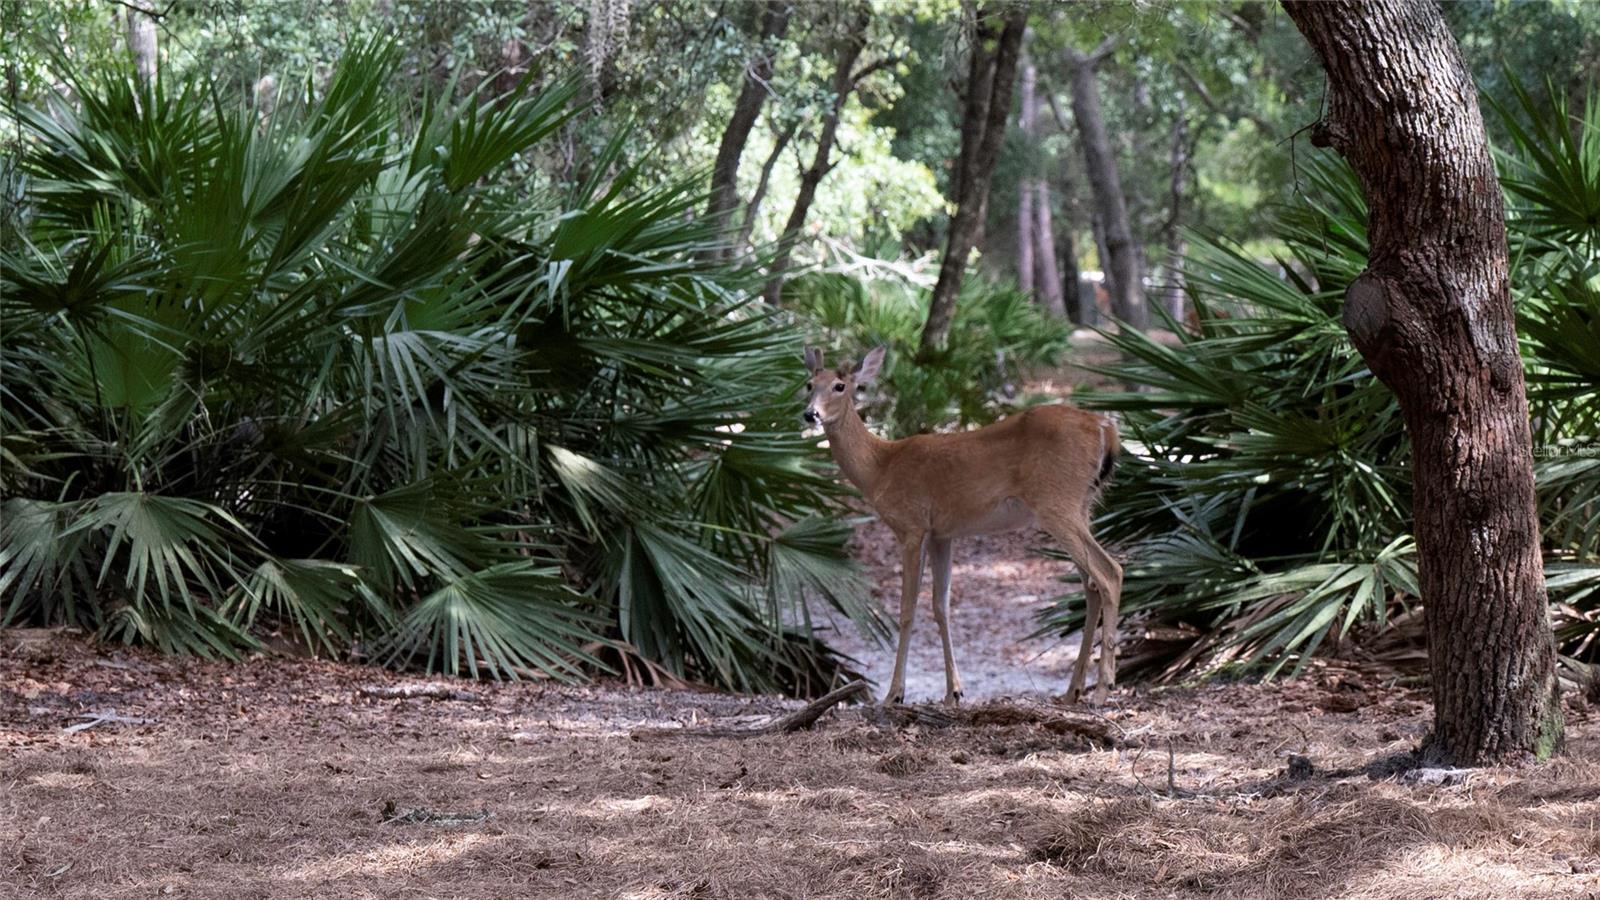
1043,467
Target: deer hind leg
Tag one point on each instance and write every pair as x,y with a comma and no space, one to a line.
1091,622
1081,547
1110,584
910,587
939,556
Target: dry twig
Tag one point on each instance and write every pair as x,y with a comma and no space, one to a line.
100,718
803,717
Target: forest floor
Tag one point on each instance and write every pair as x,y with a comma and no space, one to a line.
299,778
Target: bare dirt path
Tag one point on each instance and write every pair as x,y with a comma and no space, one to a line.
280,778
998,583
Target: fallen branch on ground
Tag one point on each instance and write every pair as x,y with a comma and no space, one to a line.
100,718
803,717
431,691
424,816
1439,777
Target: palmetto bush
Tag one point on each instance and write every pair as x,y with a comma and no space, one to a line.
1267,510
998,333
332,370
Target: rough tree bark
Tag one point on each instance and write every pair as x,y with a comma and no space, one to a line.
1124,276
1432,316
983,125
746,110
845,79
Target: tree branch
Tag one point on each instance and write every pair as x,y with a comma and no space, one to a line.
1093,57
1211,102
873,67
146,10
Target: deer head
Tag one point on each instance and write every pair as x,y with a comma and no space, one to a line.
831,394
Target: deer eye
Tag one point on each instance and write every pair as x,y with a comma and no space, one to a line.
838,388
808,385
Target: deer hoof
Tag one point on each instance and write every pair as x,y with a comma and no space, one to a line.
953,698
894,699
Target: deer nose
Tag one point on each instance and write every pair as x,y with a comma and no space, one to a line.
810,416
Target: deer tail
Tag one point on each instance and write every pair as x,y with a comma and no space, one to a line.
1110,449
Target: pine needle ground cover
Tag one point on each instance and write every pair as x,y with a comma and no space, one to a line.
281,778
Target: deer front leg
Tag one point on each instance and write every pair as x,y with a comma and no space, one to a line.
939,558
1091,622
910,587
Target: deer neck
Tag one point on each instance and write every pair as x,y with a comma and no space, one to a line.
857,450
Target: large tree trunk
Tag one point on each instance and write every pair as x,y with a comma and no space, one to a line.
844,82
1124,275
1026,220
1432,317
983,126
746,110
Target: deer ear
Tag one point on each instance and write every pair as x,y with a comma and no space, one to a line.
813,358
871,364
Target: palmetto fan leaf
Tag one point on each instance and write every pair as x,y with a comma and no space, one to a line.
510,619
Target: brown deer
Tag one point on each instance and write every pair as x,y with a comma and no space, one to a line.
1044,466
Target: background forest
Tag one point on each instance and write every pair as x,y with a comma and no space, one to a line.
466,335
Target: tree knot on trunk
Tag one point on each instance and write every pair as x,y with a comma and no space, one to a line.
1503,371
1327,132
1367,316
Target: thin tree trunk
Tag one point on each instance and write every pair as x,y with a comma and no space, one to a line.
983,127
138,17
746,110
1432,316
1066,251
1026,222
1097,230
1026,219
1072,279
1047,271
1176,246
844,81
1124,276
751,209
1138,153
